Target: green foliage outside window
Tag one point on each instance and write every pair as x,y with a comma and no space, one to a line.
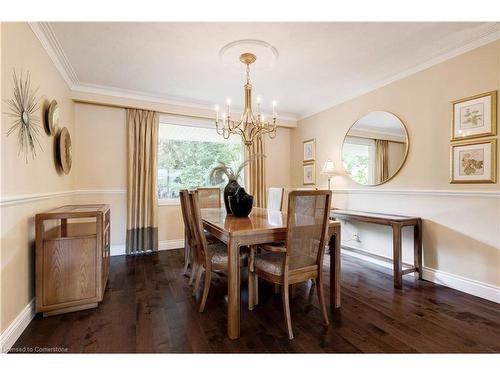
357,167
186,164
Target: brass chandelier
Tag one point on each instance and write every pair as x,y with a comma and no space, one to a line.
249,126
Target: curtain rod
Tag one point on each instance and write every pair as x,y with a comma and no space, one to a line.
134,107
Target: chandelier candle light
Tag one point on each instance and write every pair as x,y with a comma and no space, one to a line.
248,126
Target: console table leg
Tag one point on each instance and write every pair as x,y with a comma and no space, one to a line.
334,246
417,247
397,256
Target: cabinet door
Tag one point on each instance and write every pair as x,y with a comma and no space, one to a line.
69,270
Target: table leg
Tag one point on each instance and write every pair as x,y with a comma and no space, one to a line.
417,247
397,256
334,247
233,289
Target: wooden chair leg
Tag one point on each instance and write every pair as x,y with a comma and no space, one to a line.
293,290
321,297
253,290
206,287
187,255
197,279
256,291
253,281
286,310
194,268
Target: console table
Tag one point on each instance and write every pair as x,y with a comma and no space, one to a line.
397,222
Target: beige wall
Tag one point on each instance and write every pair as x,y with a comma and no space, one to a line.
22,51
100,146
461,233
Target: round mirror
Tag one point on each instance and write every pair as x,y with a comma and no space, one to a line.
375,148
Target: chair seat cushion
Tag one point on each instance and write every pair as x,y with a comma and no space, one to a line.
275,247
272,262
218,254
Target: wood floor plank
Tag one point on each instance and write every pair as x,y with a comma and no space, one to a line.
148,308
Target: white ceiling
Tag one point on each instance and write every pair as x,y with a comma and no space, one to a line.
319,64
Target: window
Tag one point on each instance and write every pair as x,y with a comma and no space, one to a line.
358,155
187,153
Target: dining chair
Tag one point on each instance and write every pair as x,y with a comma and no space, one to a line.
274,198
301,258
209,197
188,235
208,257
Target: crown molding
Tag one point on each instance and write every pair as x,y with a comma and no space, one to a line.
45,34
489,34
146,97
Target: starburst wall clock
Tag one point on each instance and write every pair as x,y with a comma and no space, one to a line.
23,111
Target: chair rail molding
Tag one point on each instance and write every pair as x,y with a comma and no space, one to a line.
429,192
27,198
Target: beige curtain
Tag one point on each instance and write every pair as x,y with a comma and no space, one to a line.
142,198
382,157
257,173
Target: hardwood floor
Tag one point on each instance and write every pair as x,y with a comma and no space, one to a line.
148,308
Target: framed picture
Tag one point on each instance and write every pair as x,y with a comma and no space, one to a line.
475,116
309,150
309,174
474,162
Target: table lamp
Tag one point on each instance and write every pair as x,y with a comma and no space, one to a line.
328,170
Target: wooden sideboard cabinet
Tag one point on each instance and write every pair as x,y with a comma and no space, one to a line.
72,257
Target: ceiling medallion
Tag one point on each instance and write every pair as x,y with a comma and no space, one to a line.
249,126
268,54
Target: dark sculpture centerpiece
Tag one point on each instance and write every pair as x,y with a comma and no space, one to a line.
239,206
241,203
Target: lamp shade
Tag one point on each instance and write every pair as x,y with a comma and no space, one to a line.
328,168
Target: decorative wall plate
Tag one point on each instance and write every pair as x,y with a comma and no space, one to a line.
63,148
53,117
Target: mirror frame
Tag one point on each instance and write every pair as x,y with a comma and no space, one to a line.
404,157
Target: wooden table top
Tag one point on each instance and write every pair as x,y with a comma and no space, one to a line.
259,220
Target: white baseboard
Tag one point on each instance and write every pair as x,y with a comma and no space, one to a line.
162,245
117,250
17,327
463,284
171,244
466,285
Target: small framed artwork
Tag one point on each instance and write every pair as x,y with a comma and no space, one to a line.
474,117
309,150
309,174
474,162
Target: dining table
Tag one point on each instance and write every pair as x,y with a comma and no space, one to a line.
261,226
